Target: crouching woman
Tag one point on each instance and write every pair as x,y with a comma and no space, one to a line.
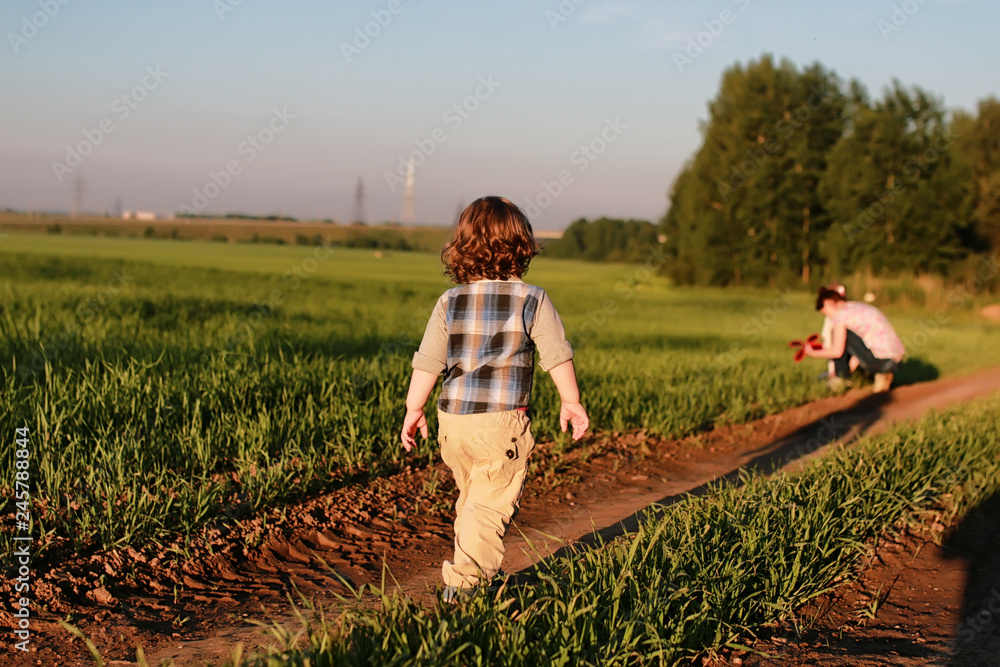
862,336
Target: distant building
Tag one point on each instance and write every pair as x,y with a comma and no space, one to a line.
138,215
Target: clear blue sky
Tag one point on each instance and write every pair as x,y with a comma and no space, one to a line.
213,73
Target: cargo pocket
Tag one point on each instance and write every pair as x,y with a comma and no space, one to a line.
502,458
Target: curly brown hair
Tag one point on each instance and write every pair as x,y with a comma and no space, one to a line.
492,239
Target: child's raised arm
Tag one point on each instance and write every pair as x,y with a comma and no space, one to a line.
421,386
572,412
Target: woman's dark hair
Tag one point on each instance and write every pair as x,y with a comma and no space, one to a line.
827,294
493,239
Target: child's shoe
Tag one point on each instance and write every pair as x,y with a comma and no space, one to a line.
883,381
838,385
453,593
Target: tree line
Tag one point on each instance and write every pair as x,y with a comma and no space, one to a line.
605,240
803,178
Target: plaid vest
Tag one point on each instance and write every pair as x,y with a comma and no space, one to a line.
490,352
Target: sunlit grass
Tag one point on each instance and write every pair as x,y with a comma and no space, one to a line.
171,384
702,575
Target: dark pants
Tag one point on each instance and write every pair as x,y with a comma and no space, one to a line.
855,347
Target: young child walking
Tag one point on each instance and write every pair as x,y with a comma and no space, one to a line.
482,337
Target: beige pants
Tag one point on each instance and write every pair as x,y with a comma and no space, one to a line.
488,455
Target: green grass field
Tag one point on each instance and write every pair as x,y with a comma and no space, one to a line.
168,385
699,576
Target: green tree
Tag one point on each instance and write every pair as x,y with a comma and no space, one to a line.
977,144
746,208
892,186
606,240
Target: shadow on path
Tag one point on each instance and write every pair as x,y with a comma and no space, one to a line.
912,371
844,426
976,541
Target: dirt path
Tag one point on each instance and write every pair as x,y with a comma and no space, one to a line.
918,603
405,522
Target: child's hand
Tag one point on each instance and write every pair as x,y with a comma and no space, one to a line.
414,419
573,413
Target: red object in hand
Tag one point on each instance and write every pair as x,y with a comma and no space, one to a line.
800,346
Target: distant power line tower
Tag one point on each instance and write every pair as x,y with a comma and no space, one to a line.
360,215
408,202
77,196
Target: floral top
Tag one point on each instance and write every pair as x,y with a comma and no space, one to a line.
873,327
